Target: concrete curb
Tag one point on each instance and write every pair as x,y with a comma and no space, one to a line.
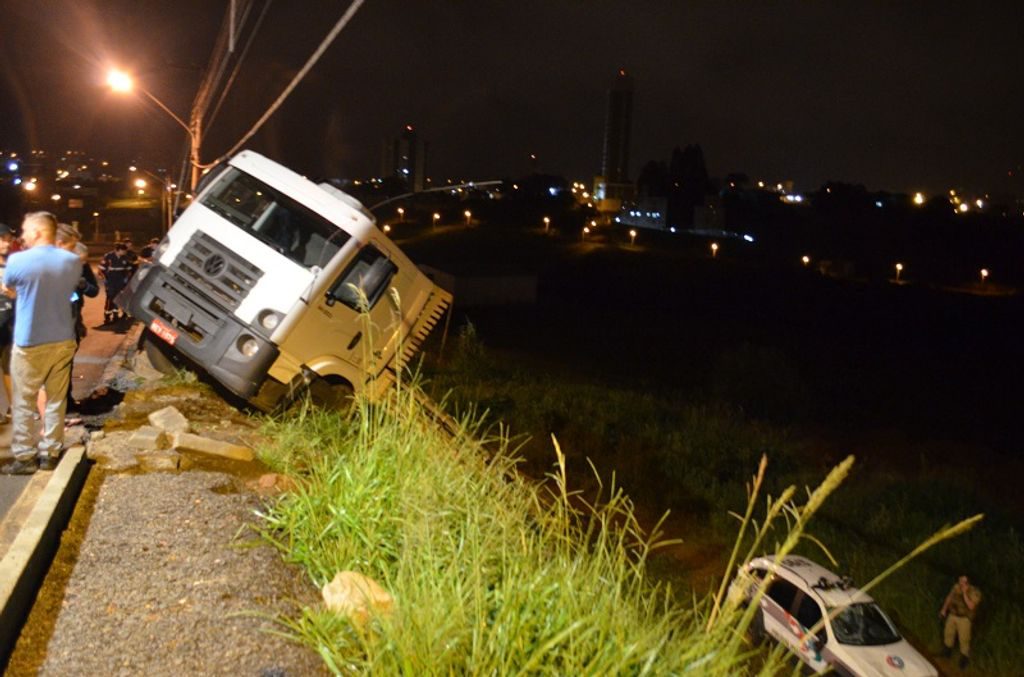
26,562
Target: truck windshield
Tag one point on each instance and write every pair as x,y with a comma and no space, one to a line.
864,624
274,218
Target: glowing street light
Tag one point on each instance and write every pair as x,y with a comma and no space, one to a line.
806,260
469,216
919,199
140,183
984,275
899,271
714,249
632,237
387,228
401,214
437,217
122,83
586,231
547,223
963,207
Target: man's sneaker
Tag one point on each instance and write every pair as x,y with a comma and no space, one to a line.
48,462
17,467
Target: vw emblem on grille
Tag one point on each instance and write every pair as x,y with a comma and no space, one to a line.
214,265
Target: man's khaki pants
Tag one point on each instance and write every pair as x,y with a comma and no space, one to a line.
958,626
48,366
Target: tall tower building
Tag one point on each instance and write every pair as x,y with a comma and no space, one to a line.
405,157
615,159
613,186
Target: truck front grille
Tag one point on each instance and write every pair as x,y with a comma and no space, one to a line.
214,270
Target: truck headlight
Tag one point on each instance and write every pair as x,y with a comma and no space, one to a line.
269,320
248,346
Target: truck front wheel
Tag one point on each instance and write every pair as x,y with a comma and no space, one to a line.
159,354
331,394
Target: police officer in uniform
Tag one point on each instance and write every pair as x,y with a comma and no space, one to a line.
115,270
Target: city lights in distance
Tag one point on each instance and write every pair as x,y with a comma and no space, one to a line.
919,198
963,207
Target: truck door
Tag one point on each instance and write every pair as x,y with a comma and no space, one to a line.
362,286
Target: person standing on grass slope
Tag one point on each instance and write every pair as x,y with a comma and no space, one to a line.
41,280
959,609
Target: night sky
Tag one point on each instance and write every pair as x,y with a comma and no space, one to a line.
896,95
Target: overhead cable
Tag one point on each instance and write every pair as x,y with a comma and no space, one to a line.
338,27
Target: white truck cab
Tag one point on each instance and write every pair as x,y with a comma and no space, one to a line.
272,284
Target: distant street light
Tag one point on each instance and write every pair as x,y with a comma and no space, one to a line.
806,260
401,214
632,237
919,199
386,228
984,275
714,249
121,82
547,223
899,270
586,231
469,216
437,217
140,183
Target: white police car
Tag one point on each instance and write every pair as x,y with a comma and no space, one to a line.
852,635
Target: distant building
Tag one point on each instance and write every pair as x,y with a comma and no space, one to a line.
613,185
405,157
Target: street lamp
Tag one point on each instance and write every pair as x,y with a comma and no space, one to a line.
166,199
806,260
547,223
586,231
984,275
714,249
469,216
121,82
899,271
401,214
437,217
632,237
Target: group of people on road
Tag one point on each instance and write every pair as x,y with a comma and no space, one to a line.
44,280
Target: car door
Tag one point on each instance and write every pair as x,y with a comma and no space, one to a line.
776,606
808,615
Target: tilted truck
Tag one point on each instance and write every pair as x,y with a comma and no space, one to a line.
276,286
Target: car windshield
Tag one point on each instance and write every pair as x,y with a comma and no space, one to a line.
863,624
274,218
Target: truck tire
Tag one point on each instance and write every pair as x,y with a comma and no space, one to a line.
159,355
331,394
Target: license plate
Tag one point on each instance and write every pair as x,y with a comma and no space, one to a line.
163,331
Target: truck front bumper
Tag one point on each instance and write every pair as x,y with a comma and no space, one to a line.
203,333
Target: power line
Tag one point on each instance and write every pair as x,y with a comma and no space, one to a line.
338,27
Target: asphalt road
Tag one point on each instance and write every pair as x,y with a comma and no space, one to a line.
99,344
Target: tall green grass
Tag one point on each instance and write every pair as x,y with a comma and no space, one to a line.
491,573
692,457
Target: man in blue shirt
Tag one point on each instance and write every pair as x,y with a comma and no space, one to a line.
41,279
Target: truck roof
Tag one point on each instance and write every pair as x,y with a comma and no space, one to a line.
327,203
